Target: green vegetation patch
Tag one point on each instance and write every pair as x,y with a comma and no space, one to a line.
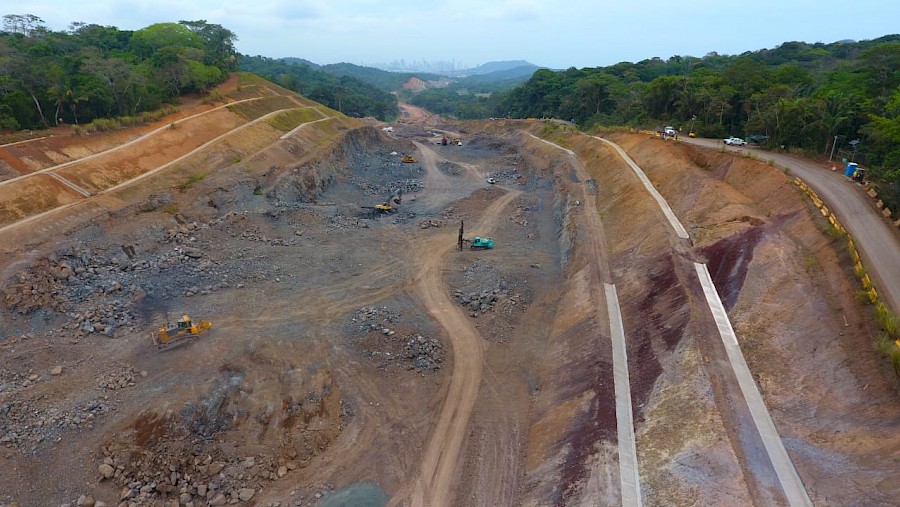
289,120
254,109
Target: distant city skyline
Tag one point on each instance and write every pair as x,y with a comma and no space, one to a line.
555,34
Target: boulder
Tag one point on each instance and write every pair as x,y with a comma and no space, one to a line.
106,471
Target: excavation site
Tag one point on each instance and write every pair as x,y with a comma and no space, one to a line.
260,301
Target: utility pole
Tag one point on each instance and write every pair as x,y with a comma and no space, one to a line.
832,149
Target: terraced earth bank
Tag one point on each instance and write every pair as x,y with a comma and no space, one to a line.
361,357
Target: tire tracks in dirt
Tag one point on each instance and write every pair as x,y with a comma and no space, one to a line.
441,460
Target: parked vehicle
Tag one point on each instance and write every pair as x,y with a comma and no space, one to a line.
734,141
670,132
757,138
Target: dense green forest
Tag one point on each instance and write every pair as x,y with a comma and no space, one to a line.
808,98
337,89
92,71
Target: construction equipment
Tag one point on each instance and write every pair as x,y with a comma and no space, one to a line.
390,205
408,159
479,243
170,335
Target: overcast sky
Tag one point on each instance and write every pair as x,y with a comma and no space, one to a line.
551,33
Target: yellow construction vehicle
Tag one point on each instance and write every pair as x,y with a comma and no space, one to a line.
388,206
170,335
408,160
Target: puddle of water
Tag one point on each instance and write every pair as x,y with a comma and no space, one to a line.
361,494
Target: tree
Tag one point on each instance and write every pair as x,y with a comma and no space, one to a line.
218,44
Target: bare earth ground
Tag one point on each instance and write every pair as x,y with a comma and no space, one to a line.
360,358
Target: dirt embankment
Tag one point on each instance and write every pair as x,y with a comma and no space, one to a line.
792,307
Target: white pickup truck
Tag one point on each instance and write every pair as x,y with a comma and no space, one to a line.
734,141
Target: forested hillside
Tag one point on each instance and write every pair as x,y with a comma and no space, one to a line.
340,91
805,97
92,71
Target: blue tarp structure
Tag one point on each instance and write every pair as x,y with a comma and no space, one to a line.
851,168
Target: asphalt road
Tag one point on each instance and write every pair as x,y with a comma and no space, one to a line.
877,240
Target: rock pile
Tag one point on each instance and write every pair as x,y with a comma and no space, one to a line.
40,286
23,422
338,222
126,377
372,318
381,342
426,354
481,302
149,478
427,224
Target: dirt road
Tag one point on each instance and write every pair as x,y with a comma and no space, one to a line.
441,459
877,241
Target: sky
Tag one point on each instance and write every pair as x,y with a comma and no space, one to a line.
550,33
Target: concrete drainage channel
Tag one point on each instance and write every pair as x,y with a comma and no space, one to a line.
789,480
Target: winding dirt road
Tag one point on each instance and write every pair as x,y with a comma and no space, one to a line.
877,241
441,459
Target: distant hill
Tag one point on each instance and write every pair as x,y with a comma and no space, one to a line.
343,92
520,66
381,79
300,61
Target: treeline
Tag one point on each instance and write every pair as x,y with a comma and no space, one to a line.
344,93
799,95
91,71
812,98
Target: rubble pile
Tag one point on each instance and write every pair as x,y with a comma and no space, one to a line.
38,287
24,422
338,222
481,302
426,354
372,318
120,379
149,478
427,224
486,290
381,342
409,185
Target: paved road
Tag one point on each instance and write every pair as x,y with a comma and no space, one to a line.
877,241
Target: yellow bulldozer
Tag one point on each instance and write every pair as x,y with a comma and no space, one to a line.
408,160
169,336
